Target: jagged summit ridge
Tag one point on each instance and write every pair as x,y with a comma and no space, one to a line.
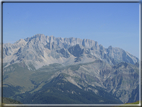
69,41
43,50
42,63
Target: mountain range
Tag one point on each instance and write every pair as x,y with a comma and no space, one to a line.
49,70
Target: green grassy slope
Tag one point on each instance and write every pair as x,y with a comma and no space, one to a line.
10,101
37,86
59,91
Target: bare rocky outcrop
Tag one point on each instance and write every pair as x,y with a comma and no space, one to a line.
48,49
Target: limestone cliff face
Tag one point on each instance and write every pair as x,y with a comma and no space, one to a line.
40,59
43,50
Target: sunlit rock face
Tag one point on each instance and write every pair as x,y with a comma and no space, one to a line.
48,49
49,65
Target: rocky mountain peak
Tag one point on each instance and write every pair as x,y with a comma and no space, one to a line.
41,64
49,49
39,36
110,47
20,42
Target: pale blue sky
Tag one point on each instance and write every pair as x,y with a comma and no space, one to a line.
115,24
